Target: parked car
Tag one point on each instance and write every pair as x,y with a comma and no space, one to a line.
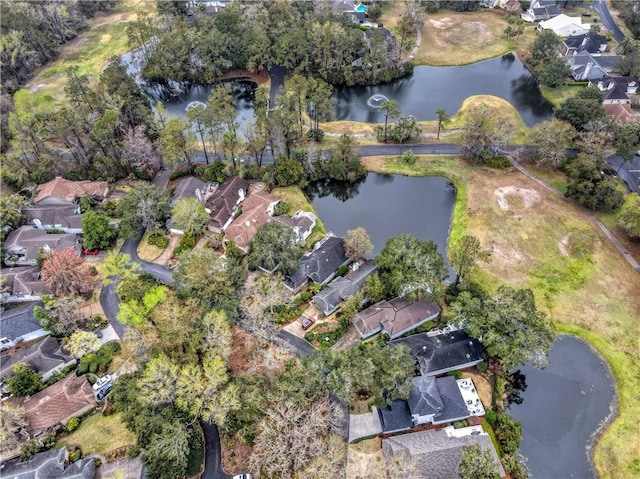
90,252
307,322
104,391
101,382
242,476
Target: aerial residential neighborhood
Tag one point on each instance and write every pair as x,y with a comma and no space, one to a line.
321,239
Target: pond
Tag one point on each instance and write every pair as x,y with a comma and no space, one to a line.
387,206
431,88
563,407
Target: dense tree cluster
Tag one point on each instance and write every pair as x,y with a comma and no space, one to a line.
628,11
584,107
547,59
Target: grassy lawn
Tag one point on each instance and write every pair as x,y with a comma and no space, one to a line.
453,38
578,278
298,201
100,434
91,50
559,94
146,251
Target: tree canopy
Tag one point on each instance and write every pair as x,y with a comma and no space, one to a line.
411,267
146,206
97,231
274,247
190,216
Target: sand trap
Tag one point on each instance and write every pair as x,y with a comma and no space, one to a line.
528,197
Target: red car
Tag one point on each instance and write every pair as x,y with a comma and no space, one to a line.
90,252
307,322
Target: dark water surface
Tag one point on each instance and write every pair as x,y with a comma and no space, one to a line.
388,206
563,406
431,88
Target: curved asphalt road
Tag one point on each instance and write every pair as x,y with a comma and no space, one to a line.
600,6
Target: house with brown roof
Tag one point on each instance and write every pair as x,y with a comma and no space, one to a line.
23,244
60,189
69,397
224,203
22,284
257,211
621,113
302,224
394,318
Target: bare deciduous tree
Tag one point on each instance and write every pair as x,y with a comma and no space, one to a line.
65,273
139,152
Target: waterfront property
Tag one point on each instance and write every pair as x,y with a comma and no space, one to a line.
395,317
342,288
224,203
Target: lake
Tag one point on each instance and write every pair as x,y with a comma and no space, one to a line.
562,408
431,88
388,206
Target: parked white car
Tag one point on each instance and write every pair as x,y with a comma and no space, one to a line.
101,382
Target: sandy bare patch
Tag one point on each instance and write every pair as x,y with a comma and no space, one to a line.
528,196
444,22
563,246
507,254
460,34
361,465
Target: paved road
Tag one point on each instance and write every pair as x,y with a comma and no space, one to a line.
600,6
212,458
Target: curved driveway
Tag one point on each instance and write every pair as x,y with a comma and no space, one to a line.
600,6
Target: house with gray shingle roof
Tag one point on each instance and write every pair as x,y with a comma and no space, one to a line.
22,284
45,357
64,216
589,42
23,244
302,224
585,66
438,453
343,288
541,10
320,265
51,464
442,352
19,325
436,400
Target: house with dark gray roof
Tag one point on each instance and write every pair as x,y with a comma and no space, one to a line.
541,10
51,464
19,325
22,284
438,453
395,317
585,66
440,352
23,244
320,265
616,89
396,417
436,400
343,288
64,216
589,42
46,357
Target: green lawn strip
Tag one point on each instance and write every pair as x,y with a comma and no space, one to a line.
489,430
298,201
559,94
100,434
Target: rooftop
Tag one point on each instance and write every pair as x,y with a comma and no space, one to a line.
319,265
27,241
62,189
19,321
24,281
49,465
42,357
437,397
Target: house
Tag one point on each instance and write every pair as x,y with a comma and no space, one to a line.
437,453
23,245
46,357
343,288
69,397
64,216
589,42
223,204
51,464
22,284
395,317
616,89
541,10
62,190
585,66
302,223
320,265
257,211
440,352
564,26
432,401
19,325
189,187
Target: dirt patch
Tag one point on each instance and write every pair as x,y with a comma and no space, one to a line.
235,454
483,386
363,465
249,357
563,246
458,35
442,23
507,254
529,197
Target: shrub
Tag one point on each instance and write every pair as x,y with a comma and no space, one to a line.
455,374
187,242
93,367
282,208
73,424
158,240
97,462
304,296
309,336
315,134
342,270
75,455
498,162
490,416
28,449
133,452
482,367
408,158
179,173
